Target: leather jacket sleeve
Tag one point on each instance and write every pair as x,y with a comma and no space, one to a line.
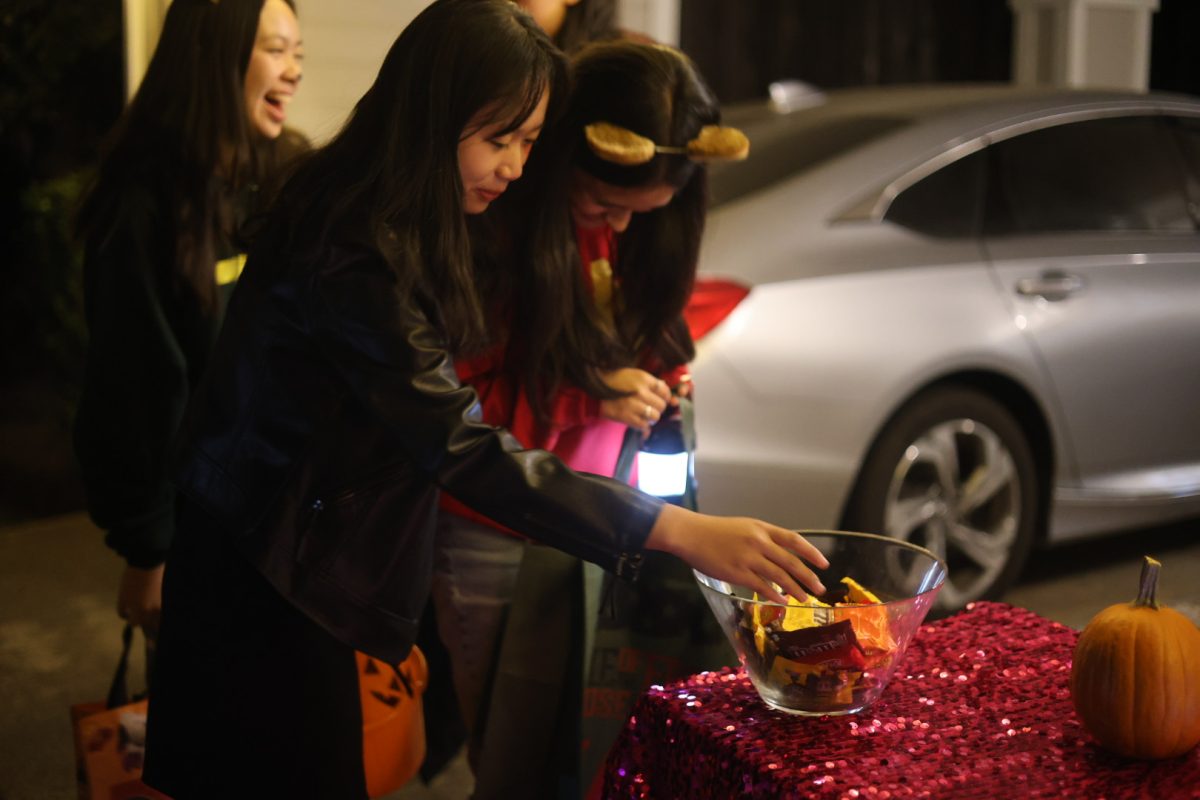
395,363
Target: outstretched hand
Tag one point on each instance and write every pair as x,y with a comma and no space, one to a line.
740,550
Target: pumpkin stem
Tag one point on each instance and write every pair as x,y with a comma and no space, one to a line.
1148,583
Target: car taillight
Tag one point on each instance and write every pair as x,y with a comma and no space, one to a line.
712,300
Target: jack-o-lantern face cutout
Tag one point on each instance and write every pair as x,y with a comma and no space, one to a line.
387,683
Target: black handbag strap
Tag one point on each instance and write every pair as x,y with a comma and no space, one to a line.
629,450
118,692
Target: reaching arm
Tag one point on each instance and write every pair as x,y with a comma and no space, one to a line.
748,552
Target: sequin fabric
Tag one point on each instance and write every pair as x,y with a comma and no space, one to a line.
979,708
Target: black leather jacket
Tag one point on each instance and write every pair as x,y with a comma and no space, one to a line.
330,415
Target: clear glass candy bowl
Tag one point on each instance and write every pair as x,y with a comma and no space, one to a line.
832,654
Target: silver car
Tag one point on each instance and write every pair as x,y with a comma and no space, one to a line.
968,317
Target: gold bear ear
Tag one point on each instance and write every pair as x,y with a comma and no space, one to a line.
618,145
715,143
622,146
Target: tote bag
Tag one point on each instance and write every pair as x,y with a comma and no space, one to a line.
110,738
393,719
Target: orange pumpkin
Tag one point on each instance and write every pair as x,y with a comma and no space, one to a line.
1135,680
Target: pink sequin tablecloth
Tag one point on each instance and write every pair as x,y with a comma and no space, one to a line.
979,708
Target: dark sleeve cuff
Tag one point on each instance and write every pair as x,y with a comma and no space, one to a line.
145,545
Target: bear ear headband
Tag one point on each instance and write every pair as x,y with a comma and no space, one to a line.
622,146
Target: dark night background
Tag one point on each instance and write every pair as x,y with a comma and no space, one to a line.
61,89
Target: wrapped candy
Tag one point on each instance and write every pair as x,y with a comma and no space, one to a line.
822,650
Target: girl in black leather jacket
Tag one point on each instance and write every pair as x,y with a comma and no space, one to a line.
330,416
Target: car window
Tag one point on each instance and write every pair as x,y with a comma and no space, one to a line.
1112,174
944,204
1187,131
780,154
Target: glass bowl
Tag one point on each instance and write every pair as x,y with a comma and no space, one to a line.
834,654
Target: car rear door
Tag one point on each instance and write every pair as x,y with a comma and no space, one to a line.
1092,238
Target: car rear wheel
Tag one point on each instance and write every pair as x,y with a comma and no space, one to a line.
953,472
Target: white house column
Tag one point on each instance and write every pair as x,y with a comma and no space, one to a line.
143,22
658,19
1083,43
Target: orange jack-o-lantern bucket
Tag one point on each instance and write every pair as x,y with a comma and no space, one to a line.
393,720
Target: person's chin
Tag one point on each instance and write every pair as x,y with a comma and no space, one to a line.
474,205
269,129
269,122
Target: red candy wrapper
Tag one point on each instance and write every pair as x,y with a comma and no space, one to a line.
834,646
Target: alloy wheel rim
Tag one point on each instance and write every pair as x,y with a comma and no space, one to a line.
956,492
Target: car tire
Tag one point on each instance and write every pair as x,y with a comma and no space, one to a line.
953,472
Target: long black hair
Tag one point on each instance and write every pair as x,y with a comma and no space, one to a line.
658,93
186,123
392,171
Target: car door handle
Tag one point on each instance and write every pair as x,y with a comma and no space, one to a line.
1052,285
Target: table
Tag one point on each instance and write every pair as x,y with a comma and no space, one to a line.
978,708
